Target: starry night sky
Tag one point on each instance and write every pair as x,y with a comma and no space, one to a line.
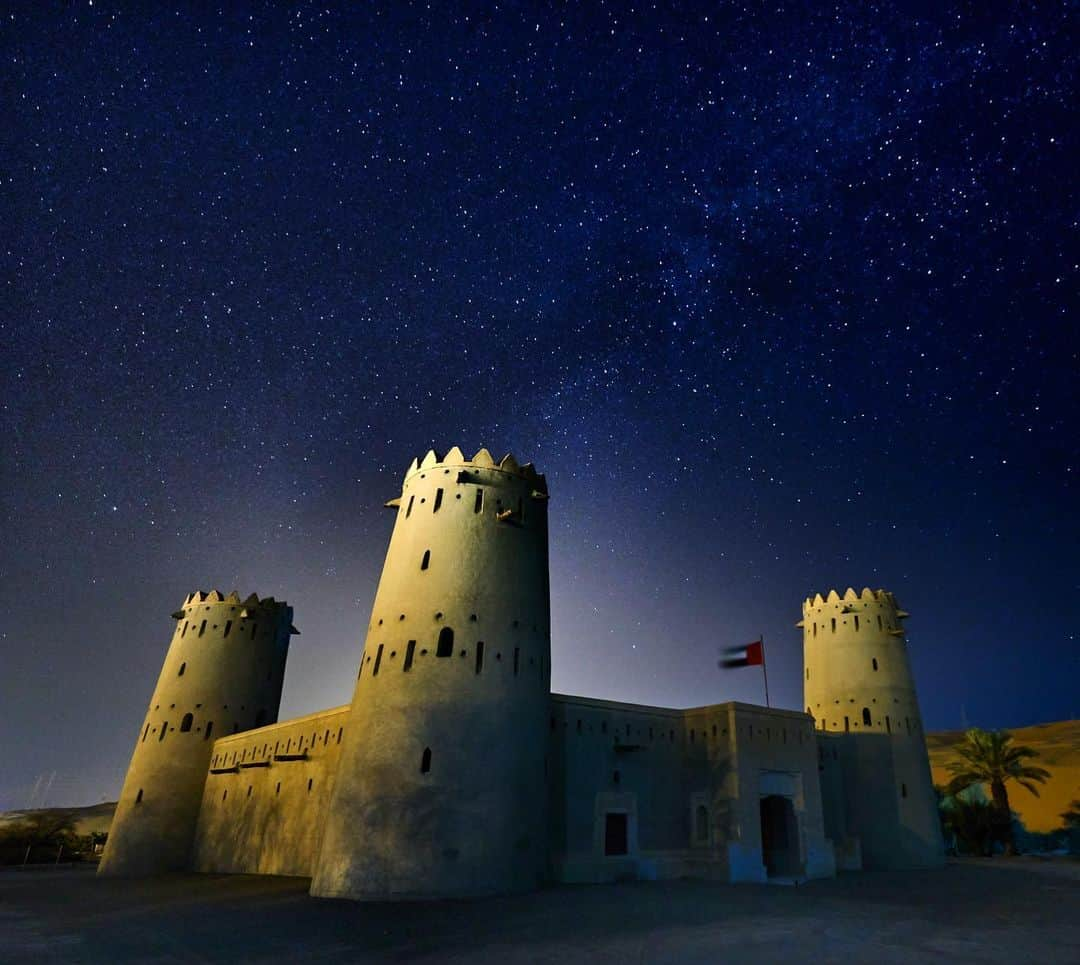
779,298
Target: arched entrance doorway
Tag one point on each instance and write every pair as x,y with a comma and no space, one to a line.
779,836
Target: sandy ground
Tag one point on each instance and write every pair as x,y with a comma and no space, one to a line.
973,911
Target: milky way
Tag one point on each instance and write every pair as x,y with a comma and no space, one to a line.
780,299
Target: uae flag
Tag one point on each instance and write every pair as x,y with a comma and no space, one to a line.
750,655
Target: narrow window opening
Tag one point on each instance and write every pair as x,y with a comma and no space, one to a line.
888,725
228,627
815,628
847,725
186,722
209,728
183,667
138,797
873,662
478,503
277,790
146,730
445,647
378,660
479,655
438,501
164,727
309,780
833,622
856,621
879,626
202,628
425,761
866,716
340,731
517,659
579,725
408,509
425,560
182,632
410,650
224,794
807,673
903,790
249,791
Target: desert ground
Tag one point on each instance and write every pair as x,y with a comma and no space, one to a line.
977,910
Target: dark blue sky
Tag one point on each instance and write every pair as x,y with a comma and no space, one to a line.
780,299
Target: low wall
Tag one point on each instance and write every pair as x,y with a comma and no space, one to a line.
266,796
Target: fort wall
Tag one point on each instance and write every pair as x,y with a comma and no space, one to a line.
266,797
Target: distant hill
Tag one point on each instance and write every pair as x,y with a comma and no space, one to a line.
1058,746
96,817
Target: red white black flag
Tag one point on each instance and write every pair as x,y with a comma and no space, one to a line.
750,655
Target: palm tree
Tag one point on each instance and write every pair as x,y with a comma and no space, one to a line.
989,757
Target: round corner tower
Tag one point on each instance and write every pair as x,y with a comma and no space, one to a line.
222,674
441,790
859,689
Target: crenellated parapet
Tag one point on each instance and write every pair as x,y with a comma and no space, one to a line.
482,460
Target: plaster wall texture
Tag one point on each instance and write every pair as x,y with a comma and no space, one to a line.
266,797
441,786
859,687
689,781
223,671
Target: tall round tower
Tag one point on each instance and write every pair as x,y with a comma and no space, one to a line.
441,789
858,686
223,674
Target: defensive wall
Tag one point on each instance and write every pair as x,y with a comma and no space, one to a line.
266,796
650,792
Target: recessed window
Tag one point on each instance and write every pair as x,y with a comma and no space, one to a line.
202,628
479,655
438,501
408,509
340,731
228,627
888,725
866,716
146,730
879,626
807,673
310,779
833,622
425,761
209,728
903,790
478,503
183,667
445,646
856,621
410,650
138,797
847,725
164,727
277,790
873,662
186,722
378,660
425,560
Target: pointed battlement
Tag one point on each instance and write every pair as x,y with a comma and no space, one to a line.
483,459
233,598
880,597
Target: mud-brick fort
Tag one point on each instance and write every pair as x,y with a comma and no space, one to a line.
455,771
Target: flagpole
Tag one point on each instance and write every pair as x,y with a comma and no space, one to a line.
764,669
